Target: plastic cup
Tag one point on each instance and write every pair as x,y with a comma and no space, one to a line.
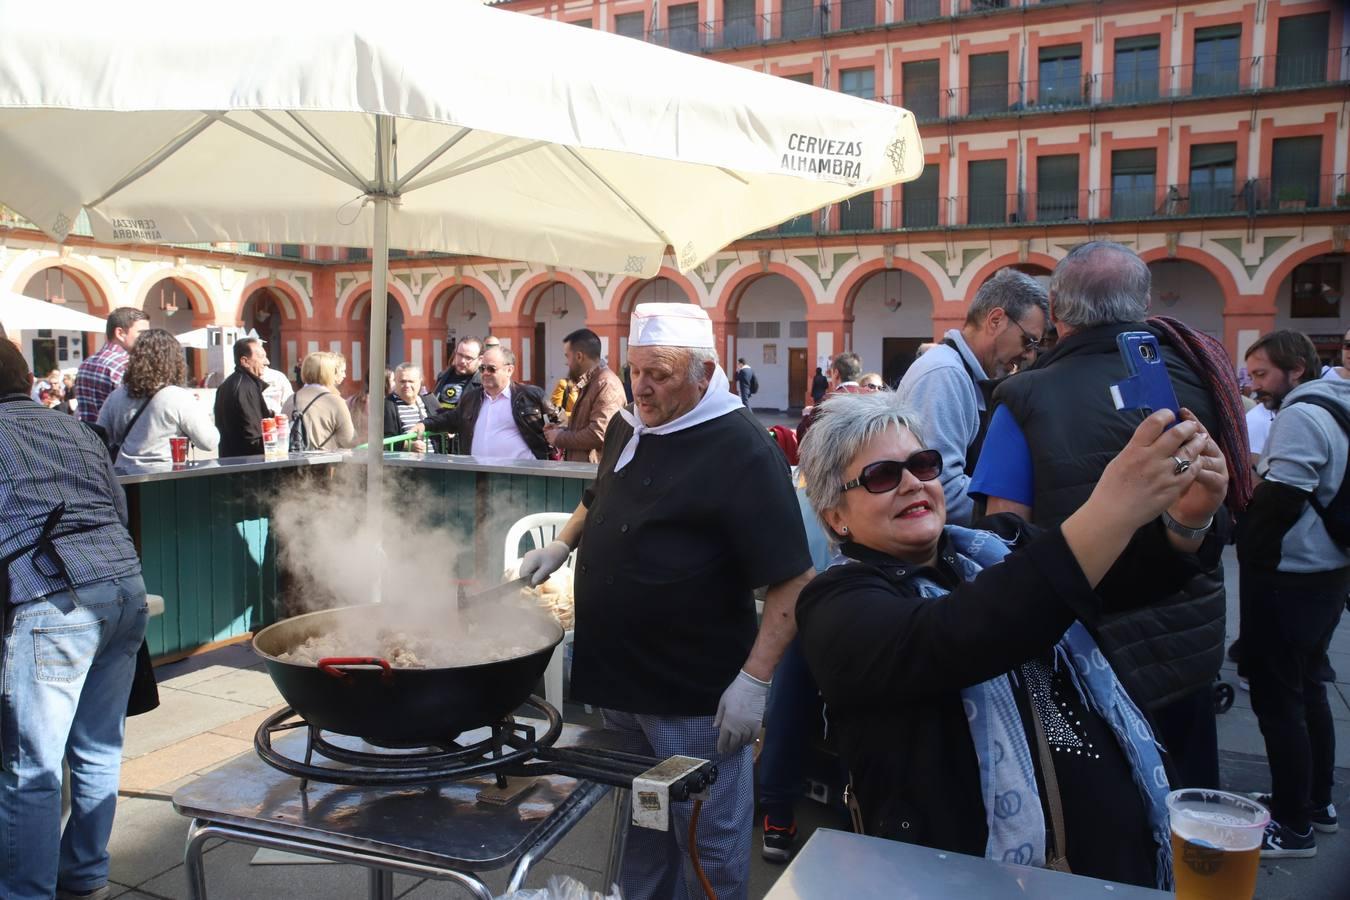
1216,844
178,449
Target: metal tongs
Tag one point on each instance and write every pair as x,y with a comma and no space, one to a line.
504,591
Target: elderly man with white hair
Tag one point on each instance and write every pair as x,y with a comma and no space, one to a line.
692,509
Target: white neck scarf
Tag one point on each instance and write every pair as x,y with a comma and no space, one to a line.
717,401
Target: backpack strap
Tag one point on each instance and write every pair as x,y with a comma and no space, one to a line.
1342,419
985,388
301,418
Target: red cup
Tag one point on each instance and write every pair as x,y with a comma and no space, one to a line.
178,448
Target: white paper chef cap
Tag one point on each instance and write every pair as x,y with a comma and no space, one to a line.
671,325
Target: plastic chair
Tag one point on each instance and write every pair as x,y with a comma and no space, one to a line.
542,529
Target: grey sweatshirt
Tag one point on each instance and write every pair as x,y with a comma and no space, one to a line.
173,411
1307,450
940,391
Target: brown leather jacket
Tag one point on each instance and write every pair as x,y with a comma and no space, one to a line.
601,397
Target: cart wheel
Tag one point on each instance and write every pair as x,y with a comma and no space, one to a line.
1223,697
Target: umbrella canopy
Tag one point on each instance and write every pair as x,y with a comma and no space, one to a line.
530,140
21,313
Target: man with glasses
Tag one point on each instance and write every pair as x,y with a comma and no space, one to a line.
949,386
498,419
458,377
1053,430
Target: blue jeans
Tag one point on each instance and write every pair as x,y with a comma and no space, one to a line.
791,714
68,663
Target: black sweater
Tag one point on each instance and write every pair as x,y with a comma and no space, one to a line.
891,664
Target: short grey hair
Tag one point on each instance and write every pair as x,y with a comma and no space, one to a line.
847,365
844,424
1013,292
698,357
1100,283
508,357
407,367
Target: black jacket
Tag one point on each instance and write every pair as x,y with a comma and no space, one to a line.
1174,645
239,413
891,665
528,408
392,425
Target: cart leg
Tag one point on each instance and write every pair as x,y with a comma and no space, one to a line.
193,866
618,837
381,884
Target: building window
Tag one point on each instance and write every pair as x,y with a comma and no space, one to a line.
988,83
801,78
1056,187
922,9
1133,183
796,329
1061,75
919,199
1295,169
292,251
1315,291
768,329
738,23
921,83
987,181
1301,55
857,13
1216,60
1136,75
1213,170
800,18
858,213
682,27
629,25
858,82
581,23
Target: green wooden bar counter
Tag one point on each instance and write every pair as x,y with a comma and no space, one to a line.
207,546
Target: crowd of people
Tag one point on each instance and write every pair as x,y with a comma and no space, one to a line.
1006,588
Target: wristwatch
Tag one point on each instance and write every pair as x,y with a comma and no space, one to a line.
1190,534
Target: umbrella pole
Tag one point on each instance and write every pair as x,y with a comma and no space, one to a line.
379,317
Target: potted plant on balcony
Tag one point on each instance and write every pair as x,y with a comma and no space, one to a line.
1293,197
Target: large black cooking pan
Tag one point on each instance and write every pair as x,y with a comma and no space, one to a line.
366,698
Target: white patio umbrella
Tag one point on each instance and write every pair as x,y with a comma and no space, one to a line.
19,312
463,128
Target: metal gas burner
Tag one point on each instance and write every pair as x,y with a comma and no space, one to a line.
512,747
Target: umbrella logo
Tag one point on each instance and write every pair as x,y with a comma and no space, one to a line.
896,154
688,256
635,264
61,227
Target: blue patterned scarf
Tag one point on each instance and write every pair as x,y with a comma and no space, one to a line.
1007,776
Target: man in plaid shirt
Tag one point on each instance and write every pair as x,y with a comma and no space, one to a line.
101,373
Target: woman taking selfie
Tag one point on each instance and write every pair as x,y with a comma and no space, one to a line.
973,710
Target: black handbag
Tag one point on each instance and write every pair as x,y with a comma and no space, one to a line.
144,690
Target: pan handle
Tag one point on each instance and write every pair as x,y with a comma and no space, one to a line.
336,666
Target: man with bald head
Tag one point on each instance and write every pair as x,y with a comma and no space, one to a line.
673,541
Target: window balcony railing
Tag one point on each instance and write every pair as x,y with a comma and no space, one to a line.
1197,199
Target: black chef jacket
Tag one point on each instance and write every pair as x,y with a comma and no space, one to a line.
673,546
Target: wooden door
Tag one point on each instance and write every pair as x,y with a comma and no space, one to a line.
537,355
797,377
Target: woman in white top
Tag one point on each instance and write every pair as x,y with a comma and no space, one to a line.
328,421
1343,370
153,381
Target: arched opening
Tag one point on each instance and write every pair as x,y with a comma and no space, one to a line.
459,311
265,313
1311,299
1187,291
770,329
49,349
395,351
892,313
654,290
169,305
557,310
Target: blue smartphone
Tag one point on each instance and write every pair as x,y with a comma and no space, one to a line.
1149,388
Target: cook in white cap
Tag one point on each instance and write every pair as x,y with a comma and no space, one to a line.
691,510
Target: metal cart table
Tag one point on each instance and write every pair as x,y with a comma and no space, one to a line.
439,831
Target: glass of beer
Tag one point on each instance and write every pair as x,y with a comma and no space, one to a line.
1216,844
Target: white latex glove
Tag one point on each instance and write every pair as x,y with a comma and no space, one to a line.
740,712
538,564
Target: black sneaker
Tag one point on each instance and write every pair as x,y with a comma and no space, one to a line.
98,893
1323,818
778,841
1284,843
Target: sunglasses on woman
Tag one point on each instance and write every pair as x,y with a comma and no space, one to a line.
883,476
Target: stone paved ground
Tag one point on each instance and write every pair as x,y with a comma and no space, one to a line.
211,705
